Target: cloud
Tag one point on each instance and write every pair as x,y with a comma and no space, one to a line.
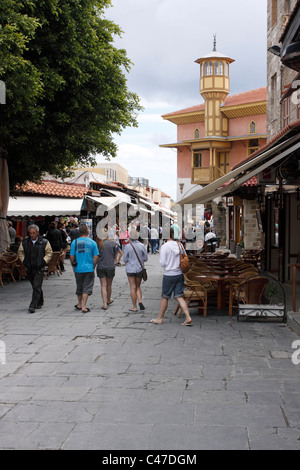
163,38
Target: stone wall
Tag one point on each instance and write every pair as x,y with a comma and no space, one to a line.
253,238
278,75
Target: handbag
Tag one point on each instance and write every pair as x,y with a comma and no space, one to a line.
183,258
144,271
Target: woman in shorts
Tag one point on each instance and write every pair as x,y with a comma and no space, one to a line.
106,267
173,280
132,252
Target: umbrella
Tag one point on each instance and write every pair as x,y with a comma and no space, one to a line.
4,198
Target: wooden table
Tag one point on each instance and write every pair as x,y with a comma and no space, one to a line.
221,301
294,266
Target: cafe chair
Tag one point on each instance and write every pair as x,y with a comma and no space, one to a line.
249,291
7,266
195,295
53,265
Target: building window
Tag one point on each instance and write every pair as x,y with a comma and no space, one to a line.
253,145
252,127
273,93
286,112
197,134
226,68
219,68
274,12
197,160
208,68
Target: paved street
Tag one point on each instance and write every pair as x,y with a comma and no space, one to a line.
112,380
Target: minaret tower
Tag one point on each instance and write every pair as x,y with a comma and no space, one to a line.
214,87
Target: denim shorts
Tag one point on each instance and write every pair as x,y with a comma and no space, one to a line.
172,285
139,275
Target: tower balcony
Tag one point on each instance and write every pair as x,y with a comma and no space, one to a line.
205,175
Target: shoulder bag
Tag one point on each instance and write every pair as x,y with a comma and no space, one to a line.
144,271
184,259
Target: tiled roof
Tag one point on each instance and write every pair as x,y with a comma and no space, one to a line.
247,97
51,188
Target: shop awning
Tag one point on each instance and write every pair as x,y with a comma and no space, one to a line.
43,206
236,178
111,202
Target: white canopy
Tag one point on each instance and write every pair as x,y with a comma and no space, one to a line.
43,206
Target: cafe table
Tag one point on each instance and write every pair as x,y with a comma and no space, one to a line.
221,279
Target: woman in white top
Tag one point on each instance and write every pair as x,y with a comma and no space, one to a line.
173,280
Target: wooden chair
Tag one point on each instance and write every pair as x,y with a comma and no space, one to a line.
195,295
7,266
53,265
249,291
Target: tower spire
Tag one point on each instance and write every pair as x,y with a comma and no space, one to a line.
215,43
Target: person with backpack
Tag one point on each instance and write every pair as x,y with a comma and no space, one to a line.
84,257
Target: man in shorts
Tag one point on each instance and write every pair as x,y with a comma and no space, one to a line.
84,257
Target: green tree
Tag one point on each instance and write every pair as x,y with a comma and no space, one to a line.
66,89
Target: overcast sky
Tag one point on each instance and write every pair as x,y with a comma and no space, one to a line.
163,38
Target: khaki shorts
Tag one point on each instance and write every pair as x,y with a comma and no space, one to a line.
84,283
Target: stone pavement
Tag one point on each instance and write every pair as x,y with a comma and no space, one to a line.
112,380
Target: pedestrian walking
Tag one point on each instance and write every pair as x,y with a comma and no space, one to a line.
74,232
106,266
12,232
64,245
35,253
54,237
173,279
154,239
135,255
84,257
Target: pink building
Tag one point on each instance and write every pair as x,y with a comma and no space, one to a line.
215,136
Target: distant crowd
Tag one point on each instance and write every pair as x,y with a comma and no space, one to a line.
129,244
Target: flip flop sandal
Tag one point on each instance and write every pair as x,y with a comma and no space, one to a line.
77,308
86,310
187,323
142,307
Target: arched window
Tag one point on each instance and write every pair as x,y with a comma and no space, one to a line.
226,69
197,134
208,68
219,68
252,127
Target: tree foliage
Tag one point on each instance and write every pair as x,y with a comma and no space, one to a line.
66,89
